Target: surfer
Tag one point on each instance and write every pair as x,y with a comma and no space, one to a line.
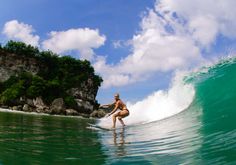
121,114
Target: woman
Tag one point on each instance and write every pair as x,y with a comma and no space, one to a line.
121,114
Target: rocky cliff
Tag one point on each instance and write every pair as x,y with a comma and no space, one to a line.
12,64
84,92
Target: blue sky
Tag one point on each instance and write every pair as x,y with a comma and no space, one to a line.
135,45
116,19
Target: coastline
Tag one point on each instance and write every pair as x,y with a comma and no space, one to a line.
42,114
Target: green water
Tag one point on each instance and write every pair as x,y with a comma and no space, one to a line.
30,139
205,133
216,95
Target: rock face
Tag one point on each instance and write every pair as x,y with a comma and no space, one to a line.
84,94
11,64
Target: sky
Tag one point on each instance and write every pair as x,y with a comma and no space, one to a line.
136,46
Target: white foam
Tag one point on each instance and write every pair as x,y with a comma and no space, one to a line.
159,105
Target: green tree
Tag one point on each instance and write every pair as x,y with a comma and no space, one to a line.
37,87
50,60
21,48
11,94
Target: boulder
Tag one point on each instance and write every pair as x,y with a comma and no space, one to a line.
19,107
98,113
57,106
27,108
30,102
85,105
38,103
15,108
71,112
41,110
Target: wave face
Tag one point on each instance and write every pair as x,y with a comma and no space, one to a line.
215,88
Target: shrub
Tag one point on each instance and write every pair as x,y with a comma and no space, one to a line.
11,94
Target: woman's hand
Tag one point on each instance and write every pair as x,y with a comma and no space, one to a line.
102,106
109,114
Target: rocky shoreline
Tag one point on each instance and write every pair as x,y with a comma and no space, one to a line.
57,107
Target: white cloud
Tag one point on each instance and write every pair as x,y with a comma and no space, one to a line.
120,43
82,40
171,36
204,30
20,31
155,49
117,44
205,18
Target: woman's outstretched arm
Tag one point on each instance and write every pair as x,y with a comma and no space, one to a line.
107,105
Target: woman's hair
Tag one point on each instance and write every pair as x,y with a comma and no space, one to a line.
117,95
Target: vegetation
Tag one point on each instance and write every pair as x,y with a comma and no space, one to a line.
56,76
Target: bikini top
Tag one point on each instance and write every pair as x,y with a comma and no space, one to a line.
121,105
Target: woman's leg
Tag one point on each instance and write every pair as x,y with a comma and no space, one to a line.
121,115
114,120
121,121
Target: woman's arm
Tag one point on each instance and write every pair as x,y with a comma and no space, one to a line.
114,110
107,105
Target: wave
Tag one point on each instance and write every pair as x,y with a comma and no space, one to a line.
159,105
203,133
212,85
215,88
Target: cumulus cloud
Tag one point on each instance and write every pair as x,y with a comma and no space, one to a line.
205,18
82,40
155,49
172,36
20,31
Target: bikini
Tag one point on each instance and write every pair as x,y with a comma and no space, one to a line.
123,107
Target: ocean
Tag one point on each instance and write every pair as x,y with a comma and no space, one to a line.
193,122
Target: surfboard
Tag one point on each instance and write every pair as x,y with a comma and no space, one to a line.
94,126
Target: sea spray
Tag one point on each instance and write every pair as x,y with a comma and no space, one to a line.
159,105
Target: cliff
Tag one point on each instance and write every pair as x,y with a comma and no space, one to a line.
12,64
46,80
